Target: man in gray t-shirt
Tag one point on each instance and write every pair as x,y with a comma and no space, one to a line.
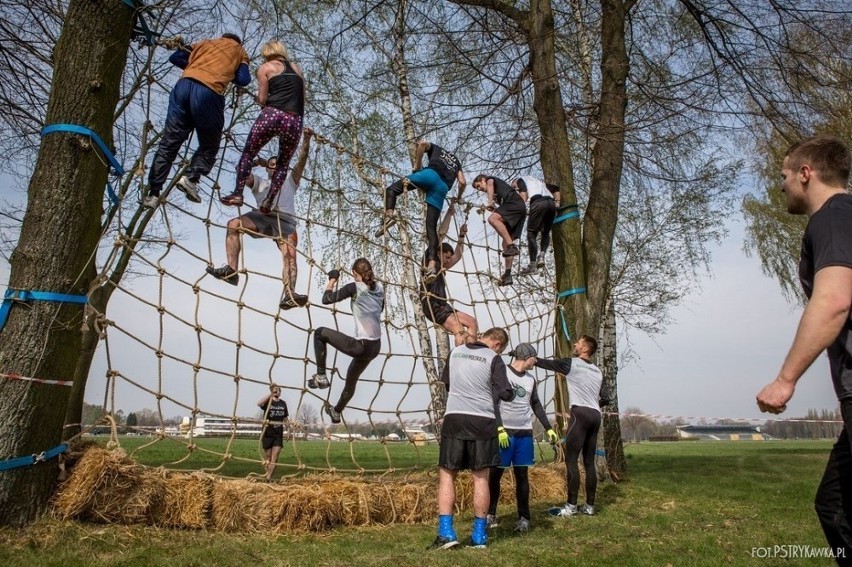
475,377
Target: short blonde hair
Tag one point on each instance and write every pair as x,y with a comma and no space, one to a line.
274,50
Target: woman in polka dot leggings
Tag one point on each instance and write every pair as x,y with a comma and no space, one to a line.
281,91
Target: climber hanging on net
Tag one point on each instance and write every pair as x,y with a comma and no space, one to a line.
197,103
434,297
279,224
281,93
435,180
368,301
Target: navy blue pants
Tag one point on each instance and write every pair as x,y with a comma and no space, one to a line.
192,106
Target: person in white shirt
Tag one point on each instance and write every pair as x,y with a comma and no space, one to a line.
279,223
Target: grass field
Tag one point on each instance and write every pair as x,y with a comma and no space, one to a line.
723,503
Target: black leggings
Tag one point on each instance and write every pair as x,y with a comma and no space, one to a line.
833,502
582,438
362,352
522,490
433,215
540,221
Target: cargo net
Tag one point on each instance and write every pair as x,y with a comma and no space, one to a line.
181,343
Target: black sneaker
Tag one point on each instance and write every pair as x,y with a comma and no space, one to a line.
318,381
226,273
506,278
332,413
293,300
233,200
512,250
472,543
443,543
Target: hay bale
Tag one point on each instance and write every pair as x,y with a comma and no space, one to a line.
186,501
108,486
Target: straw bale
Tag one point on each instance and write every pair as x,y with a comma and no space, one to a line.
186,501
107,486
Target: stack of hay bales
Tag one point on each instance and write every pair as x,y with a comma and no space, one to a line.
108,486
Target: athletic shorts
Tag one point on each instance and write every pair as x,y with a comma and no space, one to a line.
437,311
460,454
519,453
270,441
274,225
514,214
428,181
542,213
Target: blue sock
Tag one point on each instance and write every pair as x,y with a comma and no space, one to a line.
445,527
480,535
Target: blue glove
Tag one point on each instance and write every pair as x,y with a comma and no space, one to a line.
502,437
334,275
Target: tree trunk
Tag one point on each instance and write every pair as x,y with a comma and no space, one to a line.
60,232
607,160
612,444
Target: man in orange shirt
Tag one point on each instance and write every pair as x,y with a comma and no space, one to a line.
197,103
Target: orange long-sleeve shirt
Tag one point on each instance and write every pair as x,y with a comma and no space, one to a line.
214,62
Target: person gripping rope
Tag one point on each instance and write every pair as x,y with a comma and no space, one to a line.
368,301
507,219
197,103
543,199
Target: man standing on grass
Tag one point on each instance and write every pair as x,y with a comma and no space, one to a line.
815,176
475,377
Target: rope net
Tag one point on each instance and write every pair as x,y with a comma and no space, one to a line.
178,341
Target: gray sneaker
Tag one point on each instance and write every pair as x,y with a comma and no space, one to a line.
332,413
522,526
511,250
189,187
388,221
491,521
540,264
564,511
318,381
528,270
587,509
151,201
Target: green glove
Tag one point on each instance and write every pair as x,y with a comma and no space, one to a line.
552,437
502,437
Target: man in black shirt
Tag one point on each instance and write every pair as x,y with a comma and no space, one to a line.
507,219
435,180
276,414
815,177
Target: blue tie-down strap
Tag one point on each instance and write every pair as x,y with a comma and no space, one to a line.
13,295
574,212
75,129
570,292
600,452
30,460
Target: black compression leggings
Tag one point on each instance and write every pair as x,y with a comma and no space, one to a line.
522,490
362,352
582,439
433,215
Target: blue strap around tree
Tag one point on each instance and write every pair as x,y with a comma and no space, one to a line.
140,28
113,162
25,295
573,214
30,460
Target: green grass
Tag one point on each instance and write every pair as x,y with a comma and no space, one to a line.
300,456
682,504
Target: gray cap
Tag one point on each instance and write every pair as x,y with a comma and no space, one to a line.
524,351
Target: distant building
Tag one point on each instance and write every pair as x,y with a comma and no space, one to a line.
743,432
212,426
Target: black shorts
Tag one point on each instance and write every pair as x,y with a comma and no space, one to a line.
270,441
460,454
514,214
437,311
542,213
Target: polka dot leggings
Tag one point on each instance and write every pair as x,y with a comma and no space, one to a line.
271,122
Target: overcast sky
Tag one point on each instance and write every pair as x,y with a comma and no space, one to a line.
728,339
